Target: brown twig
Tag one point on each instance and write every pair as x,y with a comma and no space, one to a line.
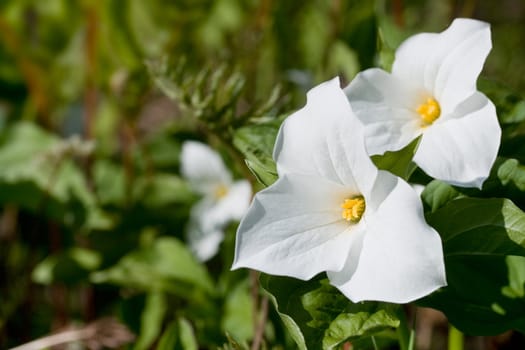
260,325
106,332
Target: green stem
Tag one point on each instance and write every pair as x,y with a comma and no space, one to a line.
405,333
374,343
455,338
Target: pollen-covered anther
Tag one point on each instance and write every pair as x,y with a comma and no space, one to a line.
220,191
353,208
429,111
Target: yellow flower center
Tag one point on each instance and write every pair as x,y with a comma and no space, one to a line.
353,208
221,191
429,111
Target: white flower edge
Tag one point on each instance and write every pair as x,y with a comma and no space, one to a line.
207,175
444,66
294,227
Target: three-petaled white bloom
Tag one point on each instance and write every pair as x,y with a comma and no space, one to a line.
432,92
223,200
332,210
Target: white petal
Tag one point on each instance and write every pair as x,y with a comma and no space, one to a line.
446,64
401,258
386,105
204,234
203,167
294,228
233,205
325,139
203,244
462,150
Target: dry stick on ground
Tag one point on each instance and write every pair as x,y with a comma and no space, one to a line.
260,326
106,332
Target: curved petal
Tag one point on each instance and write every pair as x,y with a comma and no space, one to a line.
325,139
462,150
203,233
386,106
446,64
294,228
203,244
401,258
203,167
233,205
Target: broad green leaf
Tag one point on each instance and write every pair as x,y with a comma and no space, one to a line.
484,295
110,183
161,190
166,265
510,105
512,172
178,336
151,320
399,162
40,176
187,336
256,144
437,193
70,266
342,59
264,175
318,316
238,313
475,226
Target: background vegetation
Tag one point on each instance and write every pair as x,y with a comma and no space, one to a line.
96,98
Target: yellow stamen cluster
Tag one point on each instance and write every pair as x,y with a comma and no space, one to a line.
221,191
353,208
429,111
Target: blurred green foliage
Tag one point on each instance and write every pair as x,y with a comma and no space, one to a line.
96,98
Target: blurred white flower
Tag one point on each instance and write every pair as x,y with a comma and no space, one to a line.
223,199
332,210
432,92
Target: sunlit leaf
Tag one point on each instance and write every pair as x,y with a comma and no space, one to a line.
399,162
318,316
70,266
483,296
256,144
151,320
238,313
166,265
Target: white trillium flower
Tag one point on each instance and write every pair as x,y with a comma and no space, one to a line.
332,210
432,92
223,200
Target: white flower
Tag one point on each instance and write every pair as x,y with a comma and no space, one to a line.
332,210
432,92
223,200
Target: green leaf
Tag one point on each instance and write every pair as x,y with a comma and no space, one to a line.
399,162
484,295
161,190
238,313
438,193
256,143
318,316
110,183
36,172
512,172
151,320
178,336
166,265
510,105
71,266
475,226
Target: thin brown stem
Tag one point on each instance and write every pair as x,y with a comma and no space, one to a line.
261,324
